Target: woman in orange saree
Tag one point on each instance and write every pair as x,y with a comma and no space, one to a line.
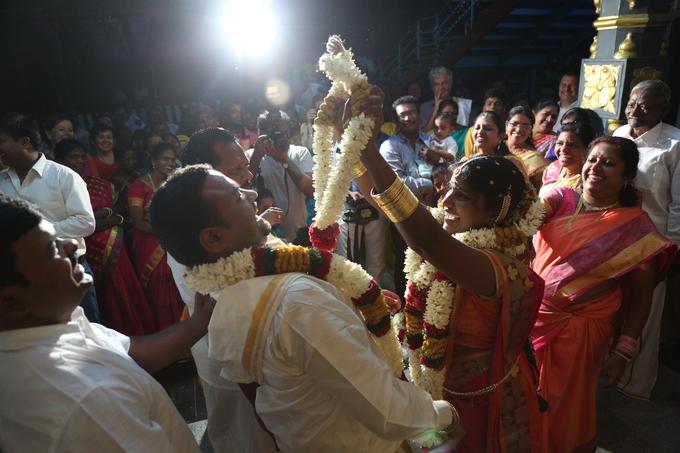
148,255
600,256
123,303
472,297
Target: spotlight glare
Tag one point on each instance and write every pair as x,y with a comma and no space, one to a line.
249,26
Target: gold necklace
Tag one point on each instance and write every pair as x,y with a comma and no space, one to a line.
581,204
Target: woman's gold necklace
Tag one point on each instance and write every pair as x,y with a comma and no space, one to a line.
581,204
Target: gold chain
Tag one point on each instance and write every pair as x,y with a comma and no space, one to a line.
514,369
581,204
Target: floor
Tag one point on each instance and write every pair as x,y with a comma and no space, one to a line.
625,425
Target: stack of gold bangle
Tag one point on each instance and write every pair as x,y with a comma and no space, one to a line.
358,170
397,201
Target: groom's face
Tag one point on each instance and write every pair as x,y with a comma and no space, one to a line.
237,209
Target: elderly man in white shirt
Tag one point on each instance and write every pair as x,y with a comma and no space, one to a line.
68,384
59,192
323,384
658,180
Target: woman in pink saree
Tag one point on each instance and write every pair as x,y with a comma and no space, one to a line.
600,257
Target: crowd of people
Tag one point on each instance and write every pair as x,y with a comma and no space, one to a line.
538,315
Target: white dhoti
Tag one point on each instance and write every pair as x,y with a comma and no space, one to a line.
640,374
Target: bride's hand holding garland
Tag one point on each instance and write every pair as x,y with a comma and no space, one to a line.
331,182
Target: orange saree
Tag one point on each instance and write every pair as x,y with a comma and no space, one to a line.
489,375
576,256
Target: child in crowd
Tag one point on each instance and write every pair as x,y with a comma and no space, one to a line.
441,142
444,125
441,175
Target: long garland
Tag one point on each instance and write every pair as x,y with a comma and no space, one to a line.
348,277
332,182
430,295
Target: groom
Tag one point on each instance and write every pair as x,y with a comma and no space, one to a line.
323,385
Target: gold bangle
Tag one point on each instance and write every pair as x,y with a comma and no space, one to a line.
391,192
397,201
455,418
358,170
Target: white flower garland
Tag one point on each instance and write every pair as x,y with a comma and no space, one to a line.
349,278
332,201
438,305
440,298
322,144
331,183
211,278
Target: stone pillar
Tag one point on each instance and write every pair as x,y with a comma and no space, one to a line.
630,45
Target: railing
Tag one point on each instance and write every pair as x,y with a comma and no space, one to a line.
431,36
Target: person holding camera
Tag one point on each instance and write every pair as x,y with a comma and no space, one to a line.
284,169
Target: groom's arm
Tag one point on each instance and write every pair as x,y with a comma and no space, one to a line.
329,341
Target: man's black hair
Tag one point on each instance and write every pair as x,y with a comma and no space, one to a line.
17,217
65,146
405,100
18,126
200,149
179,213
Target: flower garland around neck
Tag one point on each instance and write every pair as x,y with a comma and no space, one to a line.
349,278
332,182
430,295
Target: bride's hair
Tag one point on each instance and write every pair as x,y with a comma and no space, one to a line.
493,177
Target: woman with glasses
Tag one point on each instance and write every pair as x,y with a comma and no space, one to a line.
518,129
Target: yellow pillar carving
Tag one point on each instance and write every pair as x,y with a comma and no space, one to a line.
593,48
627,48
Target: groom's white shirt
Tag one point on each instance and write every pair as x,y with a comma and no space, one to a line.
324,385
232,426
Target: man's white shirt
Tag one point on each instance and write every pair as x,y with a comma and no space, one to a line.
73,387
325,385
59,193
658,177
232,425
286,194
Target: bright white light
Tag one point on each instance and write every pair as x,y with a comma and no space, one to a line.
249,26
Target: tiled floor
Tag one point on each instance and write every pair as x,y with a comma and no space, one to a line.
625,425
